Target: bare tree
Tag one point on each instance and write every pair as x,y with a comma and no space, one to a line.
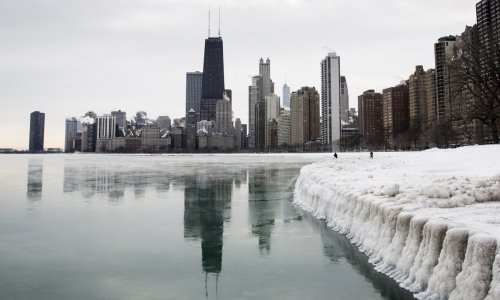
476,78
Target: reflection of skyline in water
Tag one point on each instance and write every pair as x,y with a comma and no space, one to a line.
260,206
207,205
210,192
268,188
35,179
113,180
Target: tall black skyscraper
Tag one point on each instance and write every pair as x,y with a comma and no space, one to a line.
37,129
213,77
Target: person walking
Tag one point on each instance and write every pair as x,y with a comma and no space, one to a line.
371,154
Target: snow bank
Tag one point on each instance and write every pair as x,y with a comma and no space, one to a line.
430,220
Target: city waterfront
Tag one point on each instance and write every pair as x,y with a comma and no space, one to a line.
171,227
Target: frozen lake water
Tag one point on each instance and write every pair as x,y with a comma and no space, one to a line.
170,227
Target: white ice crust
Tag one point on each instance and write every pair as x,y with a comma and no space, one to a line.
430,220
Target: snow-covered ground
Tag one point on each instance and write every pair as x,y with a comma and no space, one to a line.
430,220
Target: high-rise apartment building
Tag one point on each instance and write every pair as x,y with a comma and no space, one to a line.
224,118
443,51
344,100
262,86
272,106
488,28
272,113
106,127
272,134
255,94
284,128
150,138
165,123
37,131
396,112
71,131
286,96
213,78
371,118
430,90
191,129
194,82
305,116
121,119
265,72
260,125
417,98
330,100
238,133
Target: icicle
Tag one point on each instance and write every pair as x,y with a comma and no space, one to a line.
443,279
427,257
474,280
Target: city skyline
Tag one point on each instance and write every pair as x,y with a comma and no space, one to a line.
134,57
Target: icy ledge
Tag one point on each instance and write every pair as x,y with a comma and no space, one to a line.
430,220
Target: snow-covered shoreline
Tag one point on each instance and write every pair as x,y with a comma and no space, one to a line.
430,220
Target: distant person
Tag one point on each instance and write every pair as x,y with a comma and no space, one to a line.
335,155
371,154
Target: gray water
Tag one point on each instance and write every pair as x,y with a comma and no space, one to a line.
170,227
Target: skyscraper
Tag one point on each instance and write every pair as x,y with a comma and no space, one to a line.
213,78
238,133
106,128
272,112
344,100
165,123
255,94
284,128
224,118
422,95
71,131
396,112
260,125
265,72
443,51
488,27
286,96
371,118
37,131
191,127
121,118
194,82
417,99
330,100
305,116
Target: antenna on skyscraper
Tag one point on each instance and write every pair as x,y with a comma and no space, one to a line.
208,18
219,20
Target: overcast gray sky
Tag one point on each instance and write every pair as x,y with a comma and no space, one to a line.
66,57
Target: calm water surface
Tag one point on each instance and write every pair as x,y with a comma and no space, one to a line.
170,227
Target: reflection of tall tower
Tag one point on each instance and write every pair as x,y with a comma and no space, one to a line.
35,179
213,202
212,88
191,208
260,207
206,208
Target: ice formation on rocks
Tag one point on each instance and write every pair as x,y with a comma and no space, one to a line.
430,220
